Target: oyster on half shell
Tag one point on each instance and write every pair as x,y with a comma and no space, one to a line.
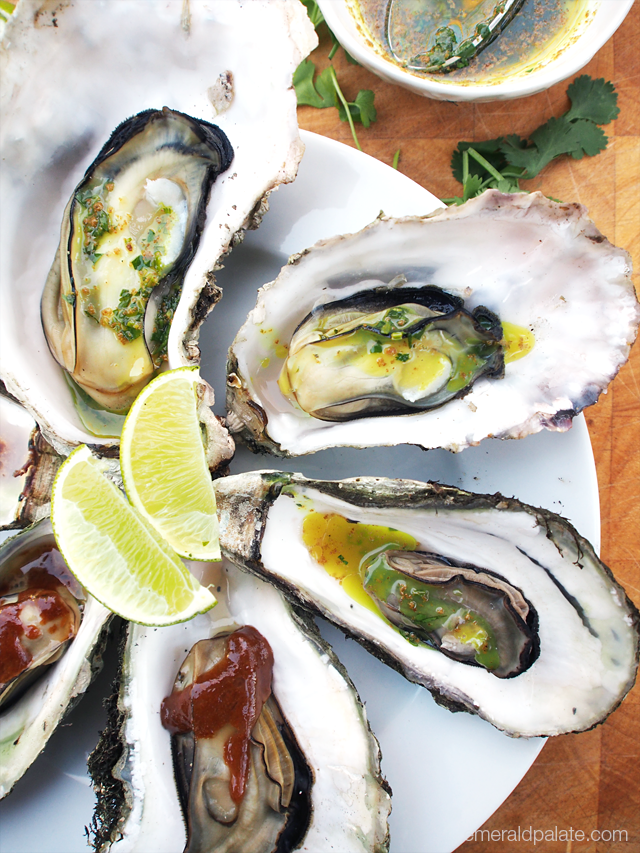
138,802
129,233
55,668
497,607
339,344
55,119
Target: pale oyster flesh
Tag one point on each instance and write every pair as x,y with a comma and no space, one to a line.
467,614
538,265
138,806
584,651
128,236
389,351
59,672
241,776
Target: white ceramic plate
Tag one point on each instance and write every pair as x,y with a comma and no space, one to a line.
425,748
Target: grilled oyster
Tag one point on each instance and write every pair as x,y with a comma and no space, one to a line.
498,608
341,801
342,336
128,236
52,635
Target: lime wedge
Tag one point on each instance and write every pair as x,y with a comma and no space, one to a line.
164,466
114,553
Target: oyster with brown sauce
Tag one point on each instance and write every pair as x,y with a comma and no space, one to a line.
267,750
242,778
52,634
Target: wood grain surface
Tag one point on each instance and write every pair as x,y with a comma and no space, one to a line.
588,782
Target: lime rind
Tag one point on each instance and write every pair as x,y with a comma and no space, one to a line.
115,554
161,440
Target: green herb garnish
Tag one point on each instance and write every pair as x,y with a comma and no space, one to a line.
503,162
325,91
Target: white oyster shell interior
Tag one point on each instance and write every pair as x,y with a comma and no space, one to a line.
17,426
71,73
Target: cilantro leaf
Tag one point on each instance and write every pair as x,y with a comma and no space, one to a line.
362,109
303,84
556,136
471,187
326,88
595,100
592,139
320,95
502,162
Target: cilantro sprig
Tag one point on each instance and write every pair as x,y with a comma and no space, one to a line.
324,91
503,162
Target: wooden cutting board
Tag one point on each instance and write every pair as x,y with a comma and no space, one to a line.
587,783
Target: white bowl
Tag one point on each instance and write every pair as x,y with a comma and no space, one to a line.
592,26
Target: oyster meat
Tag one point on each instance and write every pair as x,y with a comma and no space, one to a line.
390,351
241,775
313,774
413,316
129,233
496,607
52,635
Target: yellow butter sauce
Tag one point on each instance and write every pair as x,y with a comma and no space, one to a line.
518,342
541,31
340,545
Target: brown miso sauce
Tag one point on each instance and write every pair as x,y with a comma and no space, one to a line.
231,693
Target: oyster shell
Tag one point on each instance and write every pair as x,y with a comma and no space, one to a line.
37,701
540,266
350,802
584,629
28,465
54,119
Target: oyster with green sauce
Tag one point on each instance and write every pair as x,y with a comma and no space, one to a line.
496,607
498,318
197,58
389,351
129,233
